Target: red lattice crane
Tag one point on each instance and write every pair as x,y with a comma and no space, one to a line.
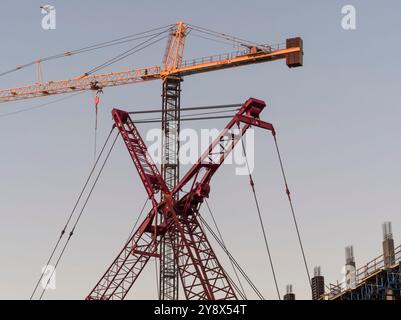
171,73
202,276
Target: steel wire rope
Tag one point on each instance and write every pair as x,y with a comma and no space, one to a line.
223,35
157,278
224,243
128,52
3,115
190,115
224,106
230,279
79,216
137,219
261,220
89,48
187,119
227,252
211,39
131,233
71,214
287,191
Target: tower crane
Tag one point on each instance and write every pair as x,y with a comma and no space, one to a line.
171,74
174,66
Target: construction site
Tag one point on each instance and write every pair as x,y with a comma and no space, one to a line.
184,162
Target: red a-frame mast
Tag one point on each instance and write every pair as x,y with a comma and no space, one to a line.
201,274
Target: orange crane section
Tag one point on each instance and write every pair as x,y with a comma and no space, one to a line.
173,66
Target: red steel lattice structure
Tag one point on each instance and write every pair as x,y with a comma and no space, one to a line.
201,274
173,71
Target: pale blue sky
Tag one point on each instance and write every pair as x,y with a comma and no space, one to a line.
337,120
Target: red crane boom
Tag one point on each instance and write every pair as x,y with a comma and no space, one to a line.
201,274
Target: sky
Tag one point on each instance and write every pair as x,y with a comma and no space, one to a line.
337,121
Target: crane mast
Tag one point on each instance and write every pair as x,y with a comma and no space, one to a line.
170,169
172,72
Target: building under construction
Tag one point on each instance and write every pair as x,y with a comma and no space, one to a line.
379,279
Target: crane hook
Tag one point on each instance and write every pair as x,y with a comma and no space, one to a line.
98,92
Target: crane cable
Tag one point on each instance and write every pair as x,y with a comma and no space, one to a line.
252,183
141,46
189,116
128,38
228,253
96,100
223,242
79,216
71,214
4,115
131,233
63,231
211,39
137,220
223,106
229,278
224,36
287,191
157,278
133,37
